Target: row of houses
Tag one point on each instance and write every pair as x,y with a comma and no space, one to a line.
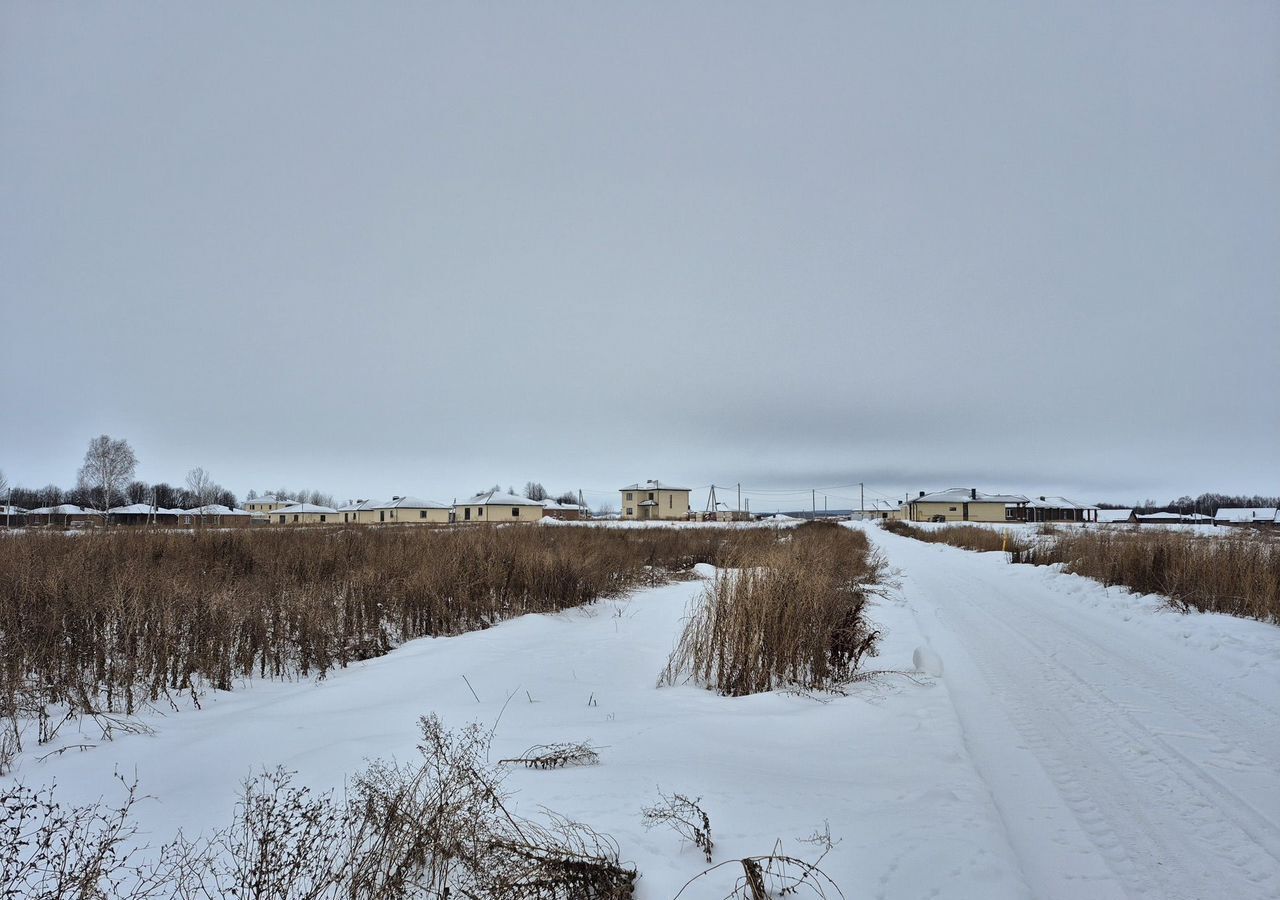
972,505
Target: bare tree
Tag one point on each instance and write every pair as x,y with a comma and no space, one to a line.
201,487
8,497
535,491
108,468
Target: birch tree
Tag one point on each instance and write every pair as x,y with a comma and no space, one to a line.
108,468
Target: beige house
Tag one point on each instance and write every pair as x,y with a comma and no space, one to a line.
495,507
265,505
359,512
305,514
654,500
967,505
410,510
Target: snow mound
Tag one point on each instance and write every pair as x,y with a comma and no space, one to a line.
704,570
926,662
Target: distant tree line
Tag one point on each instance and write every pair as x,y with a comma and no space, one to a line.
1206,504
316,498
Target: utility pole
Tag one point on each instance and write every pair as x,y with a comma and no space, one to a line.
813,499
862,500
739,496
824,502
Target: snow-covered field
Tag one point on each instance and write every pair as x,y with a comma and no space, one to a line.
1080,742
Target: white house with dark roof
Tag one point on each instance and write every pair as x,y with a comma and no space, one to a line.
647,500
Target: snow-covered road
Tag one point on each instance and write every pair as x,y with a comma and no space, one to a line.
1131,751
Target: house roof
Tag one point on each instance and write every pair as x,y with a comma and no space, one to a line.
215,509
1114,515
133,509
65,509
1240,515
648,503
359,505
11,510
881,506
1057,503
556,504
968,495
304,508
410,503
498,498
1160,517
652,486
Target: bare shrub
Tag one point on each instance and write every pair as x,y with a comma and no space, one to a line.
771,875
683,816
791,617
436,829
556,756
1238,574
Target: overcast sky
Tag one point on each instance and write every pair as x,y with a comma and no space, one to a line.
422,248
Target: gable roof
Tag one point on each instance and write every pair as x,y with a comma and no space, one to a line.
652,486
359,505
65,509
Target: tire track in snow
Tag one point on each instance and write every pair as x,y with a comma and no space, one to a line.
1101,722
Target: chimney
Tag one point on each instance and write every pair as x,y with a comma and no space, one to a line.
973,493
1042,498
922,493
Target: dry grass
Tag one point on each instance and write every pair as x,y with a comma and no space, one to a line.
792,617
111,621
966,537
1237,574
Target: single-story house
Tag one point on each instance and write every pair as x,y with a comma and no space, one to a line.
1247,515
144,514
12,516
1116,516
215,515
967,505
1172,518
654,500
879,509
553,509
65,515
304,514
496,507
403,510
359,512
1059,509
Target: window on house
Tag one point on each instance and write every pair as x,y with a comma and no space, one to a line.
480,512
629,497
630,511
953,509
651,495
323,518
382,515
422,514
515,510
295,517
466,514
670,501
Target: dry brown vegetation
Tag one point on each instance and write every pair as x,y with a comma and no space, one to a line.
432,829
792,616
966,537
1237,573
109,622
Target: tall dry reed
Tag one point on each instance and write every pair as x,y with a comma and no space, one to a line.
106,622
791,617
966,537
1237,573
